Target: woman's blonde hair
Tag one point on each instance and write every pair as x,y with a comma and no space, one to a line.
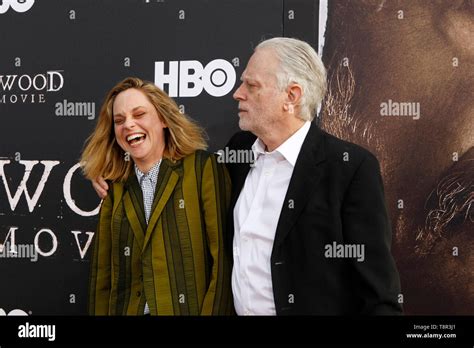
102,156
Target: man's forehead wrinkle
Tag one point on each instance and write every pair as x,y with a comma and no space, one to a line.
250,76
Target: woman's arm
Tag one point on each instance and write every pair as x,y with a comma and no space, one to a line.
215,195
100,275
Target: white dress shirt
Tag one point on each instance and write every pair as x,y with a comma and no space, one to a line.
256,215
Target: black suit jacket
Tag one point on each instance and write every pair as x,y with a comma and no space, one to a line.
335,195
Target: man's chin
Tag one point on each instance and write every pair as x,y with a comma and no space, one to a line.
243,125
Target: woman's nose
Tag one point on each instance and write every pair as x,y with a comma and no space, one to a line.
129,123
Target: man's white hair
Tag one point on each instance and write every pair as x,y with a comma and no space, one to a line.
299,63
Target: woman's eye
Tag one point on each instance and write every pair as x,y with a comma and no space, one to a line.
118,121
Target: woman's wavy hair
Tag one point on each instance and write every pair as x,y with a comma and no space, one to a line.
102,156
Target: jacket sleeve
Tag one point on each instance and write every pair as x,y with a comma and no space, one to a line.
365,221
100,273
215,200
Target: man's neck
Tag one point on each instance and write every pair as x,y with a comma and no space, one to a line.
274,138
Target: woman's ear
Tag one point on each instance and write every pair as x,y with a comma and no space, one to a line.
162,120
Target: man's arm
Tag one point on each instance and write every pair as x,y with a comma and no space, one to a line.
100,186
365,221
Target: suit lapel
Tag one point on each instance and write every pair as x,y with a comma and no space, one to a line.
238,173
133,218
133,204
306,175
242,171
167,180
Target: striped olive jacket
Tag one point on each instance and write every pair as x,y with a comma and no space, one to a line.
177,263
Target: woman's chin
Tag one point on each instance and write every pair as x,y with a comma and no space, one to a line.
136,156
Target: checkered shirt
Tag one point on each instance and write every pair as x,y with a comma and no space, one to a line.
148,184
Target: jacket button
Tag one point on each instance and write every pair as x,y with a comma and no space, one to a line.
138,293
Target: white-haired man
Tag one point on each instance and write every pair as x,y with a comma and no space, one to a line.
308,225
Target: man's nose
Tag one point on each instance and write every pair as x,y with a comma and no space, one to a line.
238,95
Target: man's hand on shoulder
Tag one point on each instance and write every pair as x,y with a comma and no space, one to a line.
100,186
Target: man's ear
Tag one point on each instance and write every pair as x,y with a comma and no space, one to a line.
293,97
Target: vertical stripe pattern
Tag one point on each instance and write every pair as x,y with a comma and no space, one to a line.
177,263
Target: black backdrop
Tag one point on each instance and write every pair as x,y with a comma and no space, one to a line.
58,53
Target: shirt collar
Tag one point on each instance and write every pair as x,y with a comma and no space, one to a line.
152,173
290,149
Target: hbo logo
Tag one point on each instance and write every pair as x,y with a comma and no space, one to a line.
17,5
187,78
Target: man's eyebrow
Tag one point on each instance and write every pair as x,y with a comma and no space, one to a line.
249,79
134,109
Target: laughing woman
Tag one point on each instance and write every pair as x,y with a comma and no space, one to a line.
159,242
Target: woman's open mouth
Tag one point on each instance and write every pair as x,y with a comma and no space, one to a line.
136,139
